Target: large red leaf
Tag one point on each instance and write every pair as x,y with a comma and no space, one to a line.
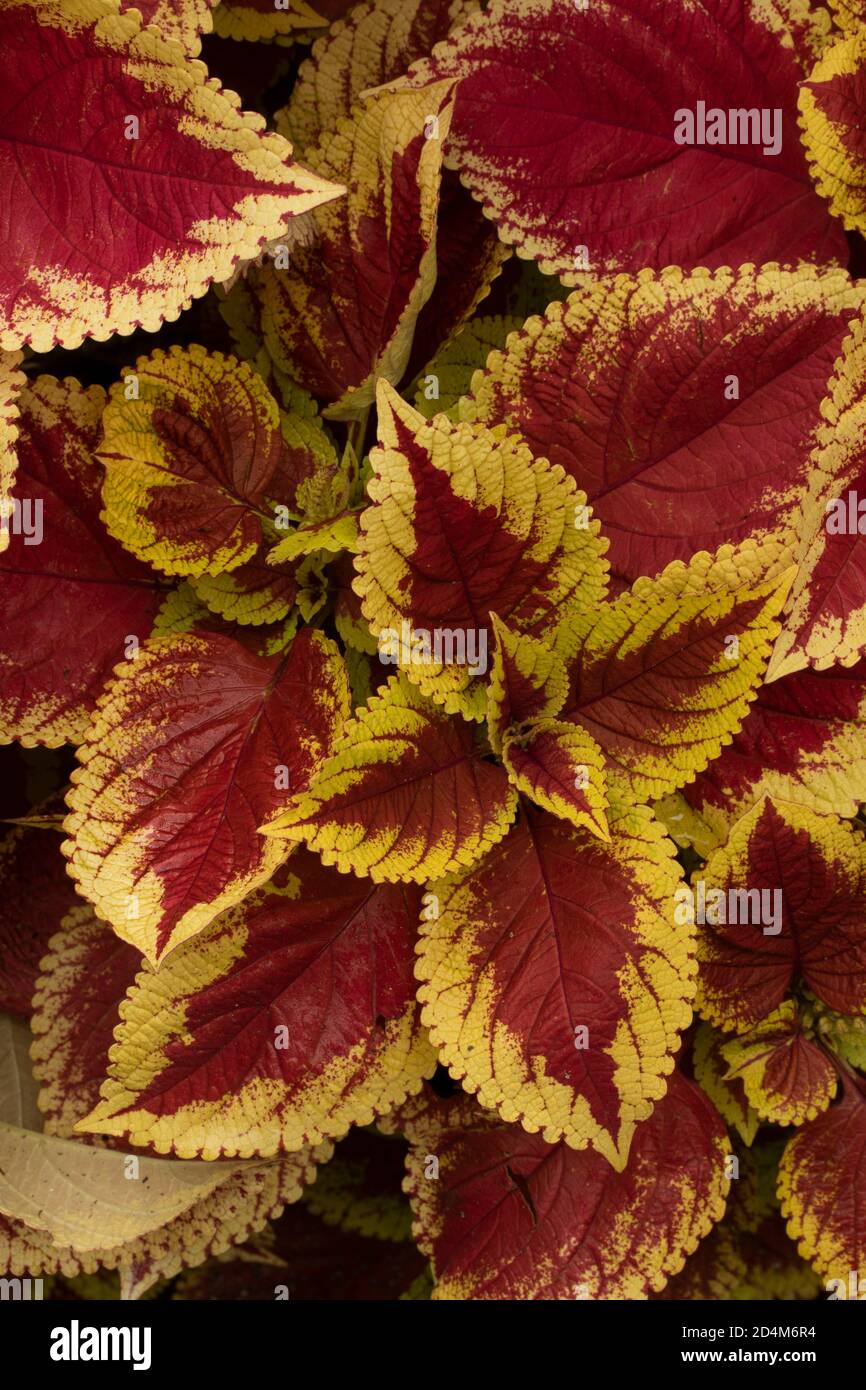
69,604
195,745
565,130
684,406
132,180
555,981
511,1217
289,1019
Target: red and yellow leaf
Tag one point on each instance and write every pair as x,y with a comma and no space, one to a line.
802,740
164,813
562,768
684,405
832,117
783,901
567,125
342,313
555,981
748,1255
407,794
826,624
253,593
848,15
291,1018
464,522
376,42
511,1217
71,598
196,462
165,203
820,1192
663,676
528,681
786,1076
84,974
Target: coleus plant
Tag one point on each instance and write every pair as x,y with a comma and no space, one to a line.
460,685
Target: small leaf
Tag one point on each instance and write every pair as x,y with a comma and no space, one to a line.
194,463
663,676
462,523
783,901
562,768
786,1076
527,681
406,794
453,369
